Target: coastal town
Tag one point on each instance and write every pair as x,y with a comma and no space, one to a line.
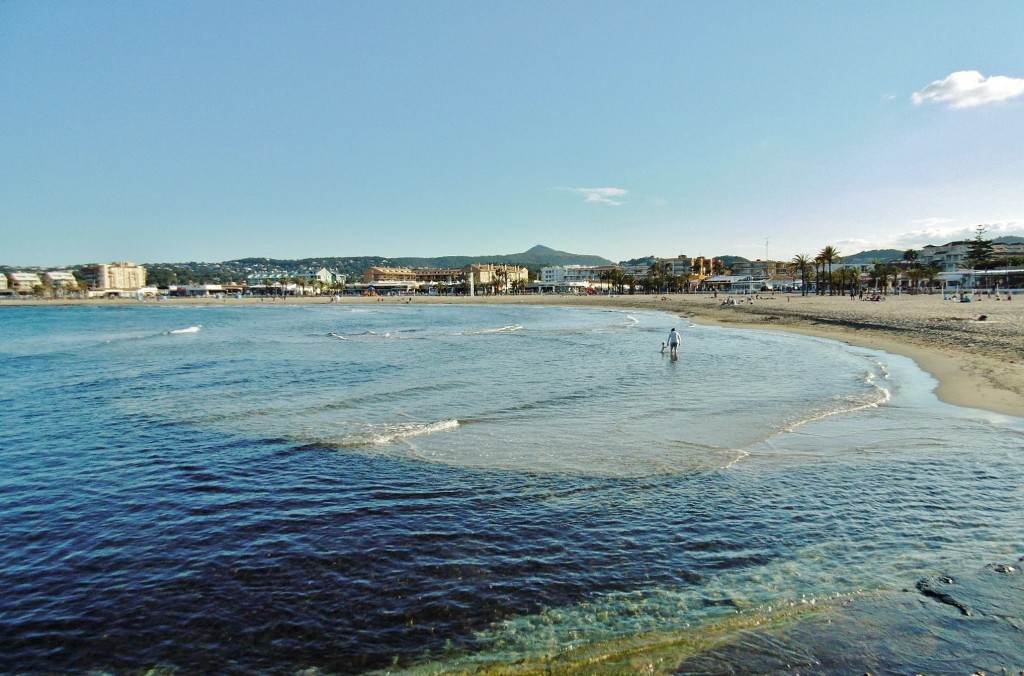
955,266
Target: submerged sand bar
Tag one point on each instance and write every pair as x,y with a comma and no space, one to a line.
979,363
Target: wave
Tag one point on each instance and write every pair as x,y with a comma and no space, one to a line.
381,434
190,329
841,405
483,332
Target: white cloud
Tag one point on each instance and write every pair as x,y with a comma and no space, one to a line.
601,195
941,231
969,88
935,231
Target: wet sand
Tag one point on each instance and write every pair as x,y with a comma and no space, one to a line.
979,363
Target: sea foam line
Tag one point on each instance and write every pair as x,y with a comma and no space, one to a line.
382,434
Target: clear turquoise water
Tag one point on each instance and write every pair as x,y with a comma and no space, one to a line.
457,484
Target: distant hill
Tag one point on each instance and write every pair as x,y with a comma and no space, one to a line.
729,261
884,255
1009,239
164,274
537,257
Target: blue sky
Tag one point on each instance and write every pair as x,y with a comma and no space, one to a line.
205,131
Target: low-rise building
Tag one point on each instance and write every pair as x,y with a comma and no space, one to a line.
760,269
61,279
685,266
500,275
571,274
378,274
23,282
479,274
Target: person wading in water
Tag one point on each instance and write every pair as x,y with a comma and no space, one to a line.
673,342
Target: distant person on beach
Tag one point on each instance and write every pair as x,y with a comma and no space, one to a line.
673,342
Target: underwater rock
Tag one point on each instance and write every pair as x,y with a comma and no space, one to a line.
970,623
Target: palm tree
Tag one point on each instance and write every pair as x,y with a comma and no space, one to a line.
655,276
828,256
631,281
915,275
800,264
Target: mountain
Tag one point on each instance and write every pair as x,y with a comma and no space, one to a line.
884,255
537,257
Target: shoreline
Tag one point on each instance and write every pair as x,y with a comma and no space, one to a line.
977,363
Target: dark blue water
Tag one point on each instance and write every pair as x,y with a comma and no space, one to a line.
445,484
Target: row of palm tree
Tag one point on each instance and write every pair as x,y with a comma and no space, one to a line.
319,286
846,279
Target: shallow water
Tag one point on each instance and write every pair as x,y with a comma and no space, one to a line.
353,488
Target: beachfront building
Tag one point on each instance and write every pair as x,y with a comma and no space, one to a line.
376,275
61,280
760,269
23,282
499,276
947,257
304,281
323,276
635,270
955,255
739,284
684,266
559,275
114,278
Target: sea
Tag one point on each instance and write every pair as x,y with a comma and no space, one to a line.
424,488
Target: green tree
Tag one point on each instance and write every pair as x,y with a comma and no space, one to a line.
931,273
980,250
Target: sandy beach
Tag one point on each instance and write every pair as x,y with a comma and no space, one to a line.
979,363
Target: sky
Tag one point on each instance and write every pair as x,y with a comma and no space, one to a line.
212,130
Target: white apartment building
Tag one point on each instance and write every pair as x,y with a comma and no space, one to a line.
953,256
23,282
571,274
61,279
947,257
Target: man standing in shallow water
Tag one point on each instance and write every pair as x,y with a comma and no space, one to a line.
673,342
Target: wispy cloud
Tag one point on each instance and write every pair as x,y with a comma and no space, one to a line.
601,195
969,88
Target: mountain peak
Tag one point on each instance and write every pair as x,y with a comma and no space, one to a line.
541,249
